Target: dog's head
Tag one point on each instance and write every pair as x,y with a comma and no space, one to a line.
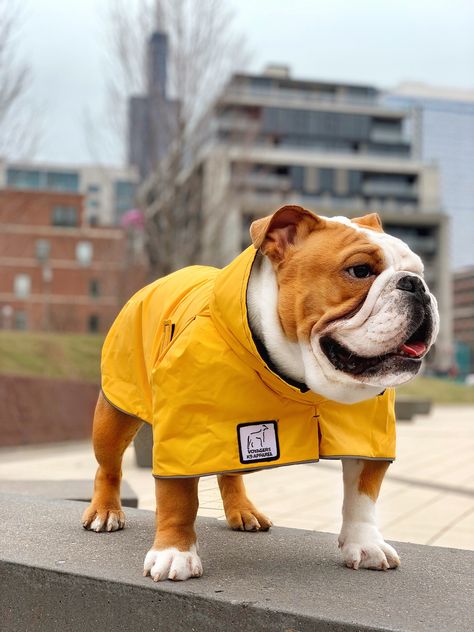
352,296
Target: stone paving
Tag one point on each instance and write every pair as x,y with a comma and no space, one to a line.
427,496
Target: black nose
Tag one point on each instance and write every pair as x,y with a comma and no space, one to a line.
414,285
411,284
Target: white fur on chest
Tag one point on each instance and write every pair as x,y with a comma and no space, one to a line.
262,308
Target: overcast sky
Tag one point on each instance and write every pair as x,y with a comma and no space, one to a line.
382,42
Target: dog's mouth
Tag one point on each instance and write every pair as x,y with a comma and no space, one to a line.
407,356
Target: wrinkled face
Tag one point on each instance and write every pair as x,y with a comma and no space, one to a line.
354,298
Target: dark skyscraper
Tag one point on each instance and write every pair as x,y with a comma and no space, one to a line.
157,63
151,116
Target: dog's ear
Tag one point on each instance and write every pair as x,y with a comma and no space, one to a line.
289,225
372,220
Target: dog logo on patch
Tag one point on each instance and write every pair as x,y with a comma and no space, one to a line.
258,441
258,436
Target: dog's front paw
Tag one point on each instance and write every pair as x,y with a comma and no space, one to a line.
172,564
103,519
363,546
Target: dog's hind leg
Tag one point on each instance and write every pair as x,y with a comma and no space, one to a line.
240,512
112,432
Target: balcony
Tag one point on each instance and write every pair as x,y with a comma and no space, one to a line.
421,245
285,96
262,181
387,188
387,135
238,124
266,202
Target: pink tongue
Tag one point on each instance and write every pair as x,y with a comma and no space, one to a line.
414,349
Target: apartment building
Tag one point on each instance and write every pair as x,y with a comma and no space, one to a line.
463,315
58,273
108,192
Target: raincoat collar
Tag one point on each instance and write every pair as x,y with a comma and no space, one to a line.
228,308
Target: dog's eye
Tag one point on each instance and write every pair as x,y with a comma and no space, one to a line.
360,272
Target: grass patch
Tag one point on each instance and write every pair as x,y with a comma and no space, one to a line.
438,390
77,357
67,356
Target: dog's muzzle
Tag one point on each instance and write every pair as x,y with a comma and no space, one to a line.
411,296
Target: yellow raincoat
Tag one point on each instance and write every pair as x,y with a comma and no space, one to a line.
181,356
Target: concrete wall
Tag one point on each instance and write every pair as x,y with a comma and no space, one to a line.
57,577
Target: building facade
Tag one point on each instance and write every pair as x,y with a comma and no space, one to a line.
463,310
57,273
333,148
443,132
108,192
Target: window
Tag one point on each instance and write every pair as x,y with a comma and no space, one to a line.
326,180
44,180
320,124
297,177
93,324
124,197
93,188
43,249
92,203
23,179
84,252
355,182
62,181
22,285
64,216
21,320
94,288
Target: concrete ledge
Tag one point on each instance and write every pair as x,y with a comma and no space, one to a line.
73,489
407,407
55,576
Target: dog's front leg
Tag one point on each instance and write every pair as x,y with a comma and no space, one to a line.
174,554
360,540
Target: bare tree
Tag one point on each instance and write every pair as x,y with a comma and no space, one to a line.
18,125
203,51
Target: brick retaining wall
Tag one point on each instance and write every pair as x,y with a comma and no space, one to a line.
43,410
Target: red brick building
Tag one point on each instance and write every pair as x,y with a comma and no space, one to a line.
56,272
463,300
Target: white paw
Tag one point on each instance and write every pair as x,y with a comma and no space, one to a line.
363,546
172,564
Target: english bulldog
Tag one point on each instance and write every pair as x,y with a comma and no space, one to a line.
303,336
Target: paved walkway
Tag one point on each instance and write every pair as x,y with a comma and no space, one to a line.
427,496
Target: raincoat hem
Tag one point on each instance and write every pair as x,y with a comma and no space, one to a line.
340,457
237,471
122,410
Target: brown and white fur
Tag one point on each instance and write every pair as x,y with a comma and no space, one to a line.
346,337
